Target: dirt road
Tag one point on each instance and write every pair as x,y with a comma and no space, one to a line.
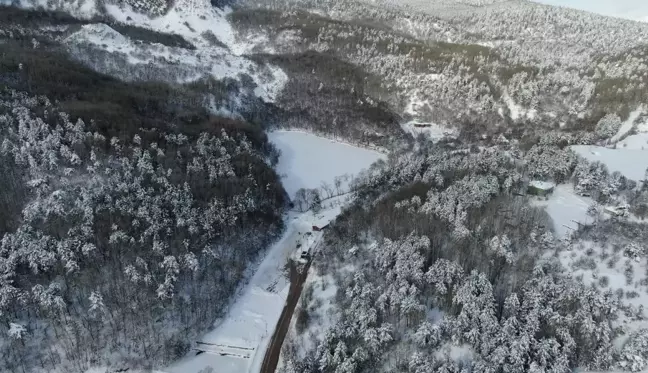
297,280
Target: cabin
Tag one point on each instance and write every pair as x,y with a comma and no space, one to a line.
540,188
617,211
319,228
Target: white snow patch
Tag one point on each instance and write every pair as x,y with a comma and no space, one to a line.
251,320
16,331
632,163
566,209
193,20
308,160
188,18
458,353
83,9
432,131
628,124
416,107
518,111
205,59
543,185
635,142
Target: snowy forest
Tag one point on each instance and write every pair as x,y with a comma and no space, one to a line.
120,235
501,230
442,265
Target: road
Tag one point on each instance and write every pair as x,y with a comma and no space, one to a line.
297,279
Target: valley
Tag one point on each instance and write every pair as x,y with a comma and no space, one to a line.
322,186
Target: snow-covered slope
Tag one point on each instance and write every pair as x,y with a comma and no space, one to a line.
205,60
631,9
189,18
83,9
217,53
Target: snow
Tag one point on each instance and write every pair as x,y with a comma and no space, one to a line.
566,208
518,111
627,125
251,320
16,331
216,61
543,185
458,353
593,252
432,131
249,324
632,163
630,9
635,142
321,312
308,160
418,109
188,18
193,20
82,9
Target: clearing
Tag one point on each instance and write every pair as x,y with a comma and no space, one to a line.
566,209
632,163
308,160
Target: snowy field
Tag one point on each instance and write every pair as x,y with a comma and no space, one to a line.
308,160
632,163
566,208
636,142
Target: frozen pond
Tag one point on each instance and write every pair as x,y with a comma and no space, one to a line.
308,160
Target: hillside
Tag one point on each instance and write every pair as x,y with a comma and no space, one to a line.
479,168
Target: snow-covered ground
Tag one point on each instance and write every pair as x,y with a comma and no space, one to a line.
308,160
419,109
198,22
632,163
636,142
250,321
636,10
566,208
518,111
217,61
628,125
83,9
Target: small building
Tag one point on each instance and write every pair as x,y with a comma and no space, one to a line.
540,188
319,228
617,211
